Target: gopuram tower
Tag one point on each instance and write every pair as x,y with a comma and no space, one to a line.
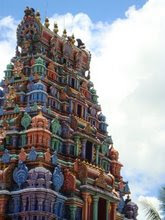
56,158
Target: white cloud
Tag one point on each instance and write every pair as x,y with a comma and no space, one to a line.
7,41
127,69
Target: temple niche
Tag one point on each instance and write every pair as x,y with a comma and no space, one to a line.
57,160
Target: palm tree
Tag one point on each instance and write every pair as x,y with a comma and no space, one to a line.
151,212
162,200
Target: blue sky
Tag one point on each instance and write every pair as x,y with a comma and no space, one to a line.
127,69
104,10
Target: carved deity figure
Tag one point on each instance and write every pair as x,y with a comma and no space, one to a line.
2,135
47,155
11,97
18,67
130,209
22,155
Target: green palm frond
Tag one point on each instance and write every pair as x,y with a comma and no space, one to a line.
162,200
150,210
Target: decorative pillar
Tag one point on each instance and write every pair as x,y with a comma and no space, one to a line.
70,106
23,139
107,209
14,140
75,108
82,112
85,113
113,211
28,139
53,141
67,148
23,203
95,207
89,207
7,140
85,208
59,207
83,148
77,141
72,212
97,147
3,203
52,204
17,203
32,202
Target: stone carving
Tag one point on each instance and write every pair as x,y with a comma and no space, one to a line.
39,177
33,154
20,174
29,32
6,156
83,172
39,121
55,126
69,181
32,179
100,181
34,108
54,158
66,131
16,109
47,155
29,12
10,97
22,155
26,120
113,154
18,67
5,176
2,133
130,209
58,178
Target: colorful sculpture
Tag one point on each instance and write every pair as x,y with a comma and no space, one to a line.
56,158
20,173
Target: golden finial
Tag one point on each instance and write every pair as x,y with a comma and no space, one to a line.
64,34
73,39
55,30
40,113
38,16
40,164
46,23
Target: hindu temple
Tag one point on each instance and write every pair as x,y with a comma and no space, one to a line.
57,161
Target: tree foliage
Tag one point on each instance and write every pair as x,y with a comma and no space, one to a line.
150,210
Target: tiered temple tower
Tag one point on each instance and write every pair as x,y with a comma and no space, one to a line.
56,158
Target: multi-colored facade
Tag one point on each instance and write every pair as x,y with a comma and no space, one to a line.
56,158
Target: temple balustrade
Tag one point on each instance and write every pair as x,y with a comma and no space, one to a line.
38,137
54,103
37,202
